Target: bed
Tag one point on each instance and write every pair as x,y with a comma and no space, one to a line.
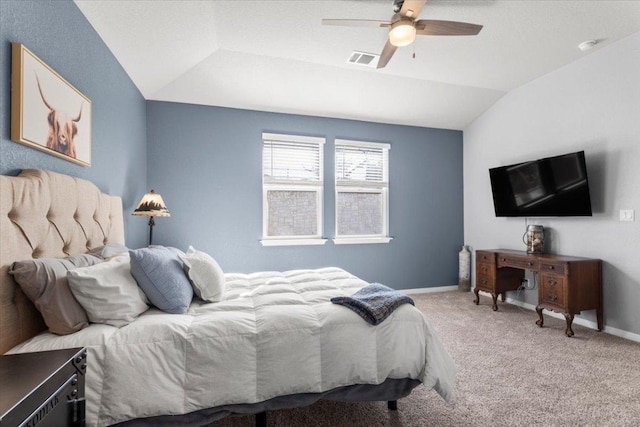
229,357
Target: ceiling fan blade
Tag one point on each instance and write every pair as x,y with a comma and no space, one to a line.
386,54
411,8
432,27
356,22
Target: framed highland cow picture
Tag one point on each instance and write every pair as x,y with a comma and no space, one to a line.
48,113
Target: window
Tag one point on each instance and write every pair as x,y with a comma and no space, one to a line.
292,181
362,192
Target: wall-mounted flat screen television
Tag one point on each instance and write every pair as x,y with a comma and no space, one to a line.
553,186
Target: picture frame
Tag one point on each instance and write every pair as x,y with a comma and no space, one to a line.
47,112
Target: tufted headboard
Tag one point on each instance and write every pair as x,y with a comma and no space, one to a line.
47,214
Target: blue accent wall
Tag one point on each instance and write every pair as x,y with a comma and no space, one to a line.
206,162
59,34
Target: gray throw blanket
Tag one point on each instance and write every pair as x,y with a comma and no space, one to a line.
374,302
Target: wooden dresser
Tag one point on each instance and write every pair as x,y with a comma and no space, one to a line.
567,284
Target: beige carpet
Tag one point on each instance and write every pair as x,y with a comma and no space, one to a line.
510,373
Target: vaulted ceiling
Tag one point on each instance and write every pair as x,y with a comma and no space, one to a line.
277,56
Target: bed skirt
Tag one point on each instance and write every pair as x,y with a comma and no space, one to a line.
390,389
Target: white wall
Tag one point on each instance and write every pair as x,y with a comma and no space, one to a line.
592,104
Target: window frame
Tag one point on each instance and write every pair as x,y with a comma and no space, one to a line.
305,185
376,187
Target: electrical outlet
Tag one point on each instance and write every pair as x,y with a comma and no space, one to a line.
626,215
525,283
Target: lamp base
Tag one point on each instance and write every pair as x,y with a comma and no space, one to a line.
151,224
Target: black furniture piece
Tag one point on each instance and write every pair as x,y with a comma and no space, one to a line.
43,389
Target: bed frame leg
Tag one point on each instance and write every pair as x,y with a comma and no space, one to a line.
392,405
261,419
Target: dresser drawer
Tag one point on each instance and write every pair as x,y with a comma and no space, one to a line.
485,257
516,261
485,276
553,267
552,289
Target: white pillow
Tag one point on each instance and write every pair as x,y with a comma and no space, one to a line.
109,294
205,275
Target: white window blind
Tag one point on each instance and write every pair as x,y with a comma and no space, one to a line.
362,163
292,170
287,159
362,192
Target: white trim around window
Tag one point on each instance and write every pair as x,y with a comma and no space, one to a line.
276,241
358,240
362,170
292,185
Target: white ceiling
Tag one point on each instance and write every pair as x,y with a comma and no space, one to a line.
276,56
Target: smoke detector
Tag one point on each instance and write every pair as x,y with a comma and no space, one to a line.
587,45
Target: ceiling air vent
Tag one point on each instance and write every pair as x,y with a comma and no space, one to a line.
363,58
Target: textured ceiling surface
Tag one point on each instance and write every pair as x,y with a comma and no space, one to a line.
276,56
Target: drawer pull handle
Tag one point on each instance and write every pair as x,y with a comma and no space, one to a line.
551,267
554,298
484,281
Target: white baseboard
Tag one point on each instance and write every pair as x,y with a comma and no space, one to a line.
429,290
577,320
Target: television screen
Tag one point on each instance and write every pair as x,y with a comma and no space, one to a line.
553,186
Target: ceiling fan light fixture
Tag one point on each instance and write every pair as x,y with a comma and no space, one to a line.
402,33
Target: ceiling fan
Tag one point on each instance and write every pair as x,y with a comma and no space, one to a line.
404,26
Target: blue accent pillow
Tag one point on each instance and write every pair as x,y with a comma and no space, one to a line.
176,251
159,274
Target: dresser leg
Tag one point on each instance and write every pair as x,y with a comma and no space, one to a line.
495,301
477,299
540,321
569,318
599,318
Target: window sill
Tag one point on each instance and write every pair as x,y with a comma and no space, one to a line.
292,242
360,240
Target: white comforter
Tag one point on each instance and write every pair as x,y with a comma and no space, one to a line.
274,334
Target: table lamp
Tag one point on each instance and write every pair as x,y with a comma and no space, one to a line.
151,205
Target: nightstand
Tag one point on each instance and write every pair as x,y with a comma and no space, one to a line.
44,388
